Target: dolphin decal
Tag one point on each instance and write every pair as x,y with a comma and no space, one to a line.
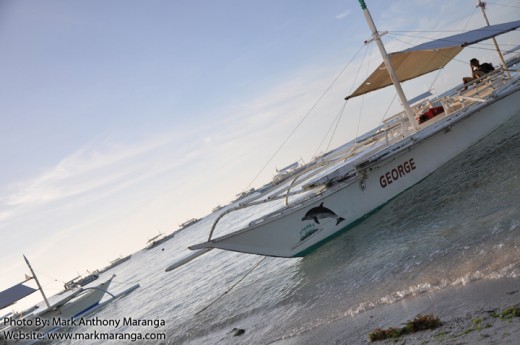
321,212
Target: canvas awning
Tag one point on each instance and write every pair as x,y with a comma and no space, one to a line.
429,56
14,294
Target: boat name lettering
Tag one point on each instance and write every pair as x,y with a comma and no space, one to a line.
397,172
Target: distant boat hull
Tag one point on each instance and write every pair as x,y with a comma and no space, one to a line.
68,309
81,304
296,230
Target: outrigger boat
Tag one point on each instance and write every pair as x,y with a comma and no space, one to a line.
41,319
333,193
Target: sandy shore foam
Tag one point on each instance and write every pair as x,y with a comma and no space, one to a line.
466,312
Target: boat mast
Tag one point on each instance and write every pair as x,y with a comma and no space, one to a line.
377,37
482,6
37,282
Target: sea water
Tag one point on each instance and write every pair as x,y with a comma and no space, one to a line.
460,225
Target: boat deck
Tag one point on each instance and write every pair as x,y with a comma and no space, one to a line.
345,165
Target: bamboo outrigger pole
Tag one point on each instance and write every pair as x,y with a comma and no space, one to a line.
37,282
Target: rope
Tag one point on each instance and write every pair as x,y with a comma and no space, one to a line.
340,114
303,119
336,121
54,279
231,288
388,108
469,18
362,105
503,5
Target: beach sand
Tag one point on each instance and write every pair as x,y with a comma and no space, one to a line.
466,313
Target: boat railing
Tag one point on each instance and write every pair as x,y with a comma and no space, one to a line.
391,132
311,170
358,152
453,102
256,203
477,91
386,135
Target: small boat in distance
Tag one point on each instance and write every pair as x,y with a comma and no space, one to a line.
335,191
287,172
81,281
188,223
115,263
159,239
154,241
71,304
217,208
245,194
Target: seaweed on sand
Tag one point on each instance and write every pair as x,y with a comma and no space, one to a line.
420,323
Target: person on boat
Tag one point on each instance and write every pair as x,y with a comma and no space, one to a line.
477,70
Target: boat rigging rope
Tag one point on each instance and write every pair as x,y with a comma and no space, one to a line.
304,118
469,18
368,51
340,114
231,288
362,105
54,280
388,108
336,122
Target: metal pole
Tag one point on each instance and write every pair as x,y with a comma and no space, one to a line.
37,282
482,6
393,76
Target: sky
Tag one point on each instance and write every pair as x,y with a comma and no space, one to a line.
121,119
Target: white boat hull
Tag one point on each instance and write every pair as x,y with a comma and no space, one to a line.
297,230
80,304
44,321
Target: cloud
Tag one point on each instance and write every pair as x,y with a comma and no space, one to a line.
101,172
343,14
73,175
4,215
108,170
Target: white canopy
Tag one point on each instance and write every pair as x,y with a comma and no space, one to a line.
429,56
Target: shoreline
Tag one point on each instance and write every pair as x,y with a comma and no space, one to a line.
466,313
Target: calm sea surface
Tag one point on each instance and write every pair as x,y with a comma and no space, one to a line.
459,225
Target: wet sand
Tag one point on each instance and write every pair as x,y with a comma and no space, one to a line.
466,313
